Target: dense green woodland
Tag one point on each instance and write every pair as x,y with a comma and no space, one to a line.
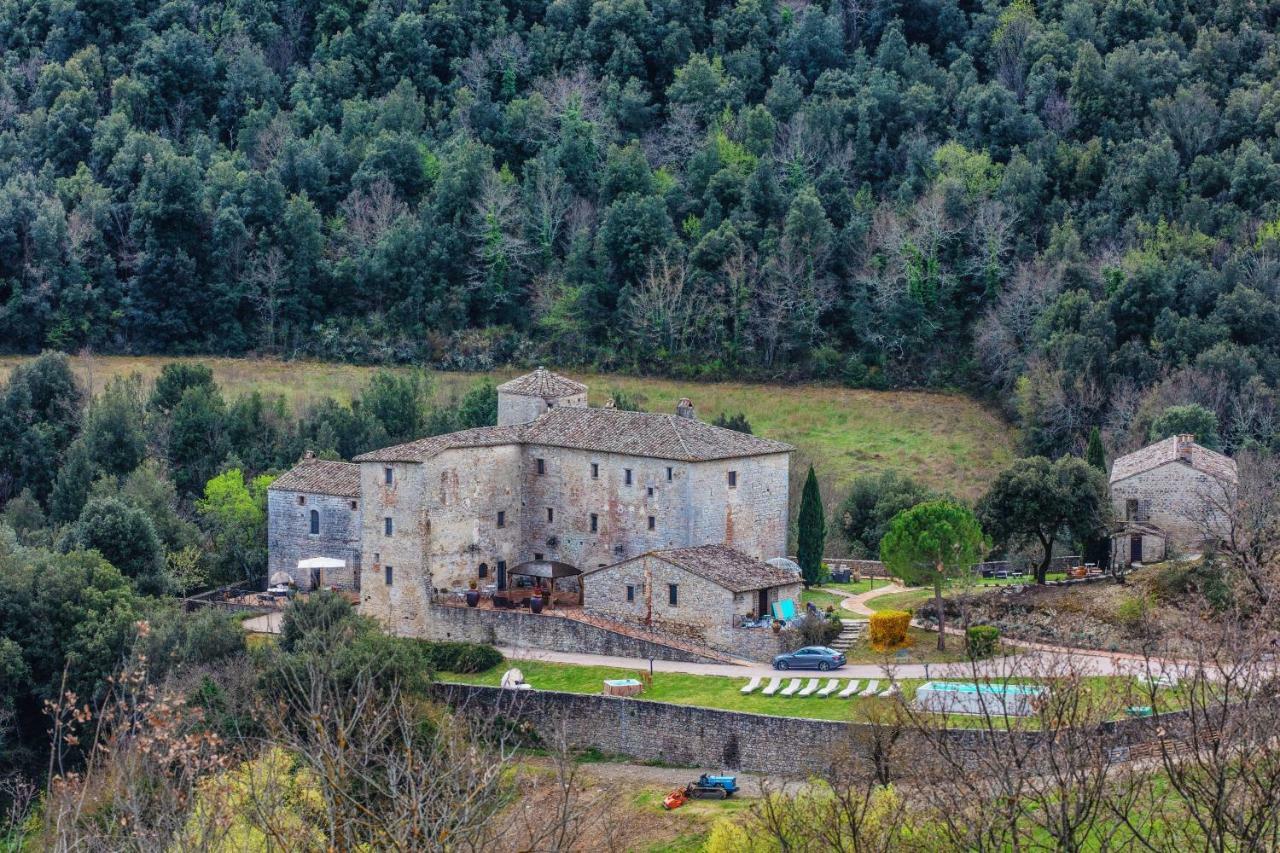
1070,206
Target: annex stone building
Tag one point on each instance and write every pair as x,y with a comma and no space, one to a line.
314,511
1166,498
554,480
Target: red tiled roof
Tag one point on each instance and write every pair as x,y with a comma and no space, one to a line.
543,383
723,566
321,477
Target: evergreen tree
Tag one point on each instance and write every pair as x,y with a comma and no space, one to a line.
1095,454
71,489
811,535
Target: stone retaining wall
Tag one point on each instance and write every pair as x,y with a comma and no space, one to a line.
725,740
554,633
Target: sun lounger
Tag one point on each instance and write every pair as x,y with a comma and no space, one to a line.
872,688
751,685
888,692
830,688
810,688
790,689
774,684
850,689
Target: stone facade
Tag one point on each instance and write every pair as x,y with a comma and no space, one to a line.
314,512
1164,499
587,487
707,608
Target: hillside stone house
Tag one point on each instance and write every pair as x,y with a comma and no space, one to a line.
1166,499
554,480
314,511
700,592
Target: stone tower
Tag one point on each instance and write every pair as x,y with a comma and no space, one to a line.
527,397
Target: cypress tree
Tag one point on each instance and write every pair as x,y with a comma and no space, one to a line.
1094,454
812,532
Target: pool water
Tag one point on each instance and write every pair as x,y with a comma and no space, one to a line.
993,689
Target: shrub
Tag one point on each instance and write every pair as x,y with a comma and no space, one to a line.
461,657
889,628
982,641
812,630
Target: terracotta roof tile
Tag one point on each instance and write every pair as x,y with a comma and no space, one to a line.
727,567
425,448
1211,462
321,477
644,434
543,383
602,430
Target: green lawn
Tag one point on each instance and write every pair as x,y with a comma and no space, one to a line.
947,441
710,691
908,600
821,599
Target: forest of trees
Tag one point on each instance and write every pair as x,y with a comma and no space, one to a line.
1070,206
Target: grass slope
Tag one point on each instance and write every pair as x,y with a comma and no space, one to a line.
948,441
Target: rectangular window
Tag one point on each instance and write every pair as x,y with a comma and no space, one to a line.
377,557
389,475
595,523
483,571
302,500
670,473
542,466
653,523
537,556
733,479
595,470
673,594
627,472
650,492
631,593
388,527
502,518
551,515
355,505
388,574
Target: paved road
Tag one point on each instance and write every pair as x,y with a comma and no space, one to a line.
1035,658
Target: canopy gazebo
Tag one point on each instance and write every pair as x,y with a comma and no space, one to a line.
550,571
314,568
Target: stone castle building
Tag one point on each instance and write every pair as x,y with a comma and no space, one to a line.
554,480
1165,499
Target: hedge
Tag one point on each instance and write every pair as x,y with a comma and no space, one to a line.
461,657
889,628
982,641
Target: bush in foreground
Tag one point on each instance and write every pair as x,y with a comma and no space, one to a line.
982,641
462,657
889,629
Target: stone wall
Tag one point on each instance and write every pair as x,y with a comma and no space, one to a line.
750,516
289,537
699,605
465,490
394,587
522,408
554,633
723,740
574,490
1175,497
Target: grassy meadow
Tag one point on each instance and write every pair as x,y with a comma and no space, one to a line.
948,441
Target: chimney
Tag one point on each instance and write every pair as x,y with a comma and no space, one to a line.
1185,440
310,454
610,403
684,409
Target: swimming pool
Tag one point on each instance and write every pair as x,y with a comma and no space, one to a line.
967,697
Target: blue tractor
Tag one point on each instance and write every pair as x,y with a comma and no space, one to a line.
709,787
706,787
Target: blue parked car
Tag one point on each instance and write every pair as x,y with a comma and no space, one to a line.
810,657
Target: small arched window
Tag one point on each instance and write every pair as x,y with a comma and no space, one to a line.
484,570
315,522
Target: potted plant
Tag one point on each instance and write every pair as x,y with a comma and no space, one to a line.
473,595
777,626
535,602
